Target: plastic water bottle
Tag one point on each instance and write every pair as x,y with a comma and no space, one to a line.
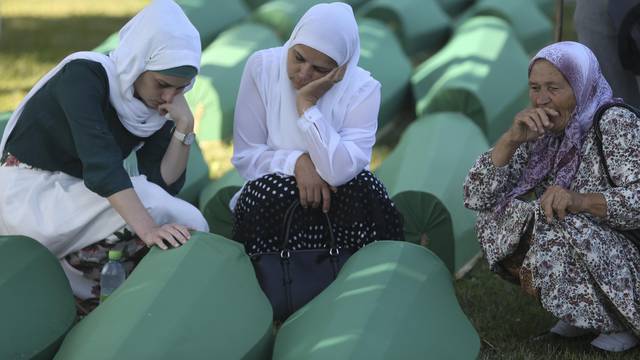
112,275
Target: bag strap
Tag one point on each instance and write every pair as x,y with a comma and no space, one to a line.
598,133
288,219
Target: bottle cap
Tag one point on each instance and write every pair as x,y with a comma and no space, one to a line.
115,255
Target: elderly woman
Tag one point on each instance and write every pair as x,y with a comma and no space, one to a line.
305,124
62,179
547,216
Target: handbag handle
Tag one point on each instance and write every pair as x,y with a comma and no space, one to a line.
288,218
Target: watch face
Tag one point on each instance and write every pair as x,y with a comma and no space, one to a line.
189,138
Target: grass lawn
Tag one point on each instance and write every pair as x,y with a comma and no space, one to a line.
508,320
36,34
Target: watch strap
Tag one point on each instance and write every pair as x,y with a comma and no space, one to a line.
186,139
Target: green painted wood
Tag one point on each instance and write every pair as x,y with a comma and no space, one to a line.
217,213
382,55
481,72
427,222
214,202
254,4
197,176
108,44
210,18
36,303
283,15
548,7
420,31
4,118
454,7
199,301
391,300
534,30
213,97
434,155
231,178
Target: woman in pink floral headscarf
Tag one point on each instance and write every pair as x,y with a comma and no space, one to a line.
548,217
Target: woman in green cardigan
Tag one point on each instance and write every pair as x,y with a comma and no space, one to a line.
62,178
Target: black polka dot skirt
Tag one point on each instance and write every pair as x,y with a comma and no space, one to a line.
360,213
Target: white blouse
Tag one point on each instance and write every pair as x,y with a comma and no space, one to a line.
338,154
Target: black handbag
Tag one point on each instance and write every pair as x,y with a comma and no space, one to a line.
291,278
634,234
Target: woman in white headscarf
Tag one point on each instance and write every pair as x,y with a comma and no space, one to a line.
305,124
62,179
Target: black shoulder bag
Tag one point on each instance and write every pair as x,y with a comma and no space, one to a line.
634,234
291,278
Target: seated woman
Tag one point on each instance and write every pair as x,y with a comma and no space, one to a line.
305,124
547,216
62,179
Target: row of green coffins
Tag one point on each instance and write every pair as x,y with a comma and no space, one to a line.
391,300
481,72
471,75
470,90
423,175
223,60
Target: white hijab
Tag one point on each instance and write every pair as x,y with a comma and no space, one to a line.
159,37
332,30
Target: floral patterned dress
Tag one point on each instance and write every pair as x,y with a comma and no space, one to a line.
582,269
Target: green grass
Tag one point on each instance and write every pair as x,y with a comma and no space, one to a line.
506,320
36,34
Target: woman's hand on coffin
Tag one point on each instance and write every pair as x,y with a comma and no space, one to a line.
173,234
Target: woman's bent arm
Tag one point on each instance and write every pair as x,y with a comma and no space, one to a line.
129,206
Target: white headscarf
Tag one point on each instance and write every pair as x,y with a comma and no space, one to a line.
332,30
159,37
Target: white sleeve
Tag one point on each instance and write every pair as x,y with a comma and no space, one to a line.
341,155
252,157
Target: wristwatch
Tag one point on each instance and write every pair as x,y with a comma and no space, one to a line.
186,139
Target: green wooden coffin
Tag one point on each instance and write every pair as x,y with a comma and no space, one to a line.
391,300
4,119
208,17
427,222
197,176
423,30
36,303
382,55
213,97
454,7
534,30
481,72
434,155
199,301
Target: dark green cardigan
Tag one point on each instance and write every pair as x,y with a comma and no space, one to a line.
69,125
